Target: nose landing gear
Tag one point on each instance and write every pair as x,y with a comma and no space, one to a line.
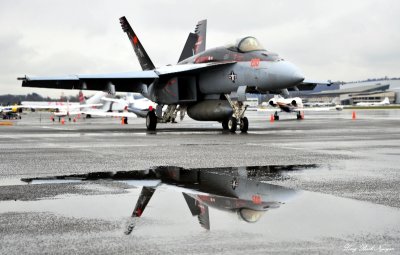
237,119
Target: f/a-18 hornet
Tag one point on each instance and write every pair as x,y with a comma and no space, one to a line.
210,85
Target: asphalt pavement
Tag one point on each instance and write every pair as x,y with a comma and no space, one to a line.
343,176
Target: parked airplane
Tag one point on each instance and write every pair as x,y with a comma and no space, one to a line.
383,102
10,112
293,105
139,106
210,85
66,109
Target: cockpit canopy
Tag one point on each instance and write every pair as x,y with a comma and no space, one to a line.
246,44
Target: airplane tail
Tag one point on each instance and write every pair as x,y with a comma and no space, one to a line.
188,49
130,99
386,101
196,42
81,97
141,54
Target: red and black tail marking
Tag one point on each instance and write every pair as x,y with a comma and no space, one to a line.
201,32
141,54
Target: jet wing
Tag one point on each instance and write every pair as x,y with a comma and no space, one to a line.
308,84
124,82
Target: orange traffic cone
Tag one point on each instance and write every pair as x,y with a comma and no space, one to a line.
302,115
74,119
62,121
272,118
353,115
122,121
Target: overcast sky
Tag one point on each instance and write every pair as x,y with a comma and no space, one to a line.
338,40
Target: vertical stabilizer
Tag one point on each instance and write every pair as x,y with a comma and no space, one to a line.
188,49
141,54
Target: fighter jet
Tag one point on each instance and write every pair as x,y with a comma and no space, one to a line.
210,85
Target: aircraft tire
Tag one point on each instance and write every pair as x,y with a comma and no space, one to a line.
276,117
232,124
244,125
225,124
151,121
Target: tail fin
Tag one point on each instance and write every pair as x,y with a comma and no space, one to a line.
141,54
188,49
130,98
386,100
196,42
81,97
201,32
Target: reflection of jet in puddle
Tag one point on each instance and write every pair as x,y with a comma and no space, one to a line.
236,190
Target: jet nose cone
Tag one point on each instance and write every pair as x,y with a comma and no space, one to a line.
297,76
293,75
286,74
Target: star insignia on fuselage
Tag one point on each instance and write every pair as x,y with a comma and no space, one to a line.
232,76
235,183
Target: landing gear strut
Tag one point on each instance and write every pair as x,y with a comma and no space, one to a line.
276,116
237,119
169,115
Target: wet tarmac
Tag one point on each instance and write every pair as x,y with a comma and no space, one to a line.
326,184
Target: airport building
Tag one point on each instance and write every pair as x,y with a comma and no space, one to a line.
356,92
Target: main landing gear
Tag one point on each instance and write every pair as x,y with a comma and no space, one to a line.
169,115
237,119
299,115
151,121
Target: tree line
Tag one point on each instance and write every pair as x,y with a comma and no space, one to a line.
9,99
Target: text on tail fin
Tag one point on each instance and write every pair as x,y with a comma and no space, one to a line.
201,31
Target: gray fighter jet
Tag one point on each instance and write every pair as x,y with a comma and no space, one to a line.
210,85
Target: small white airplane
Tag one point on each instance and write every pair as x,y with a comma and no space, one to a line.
123,107
62,109
383,102
292,105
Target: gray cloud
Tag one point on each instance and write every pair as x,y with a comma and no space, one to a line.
340,40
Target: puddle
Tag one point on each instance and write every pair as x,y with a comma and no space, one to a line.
173,201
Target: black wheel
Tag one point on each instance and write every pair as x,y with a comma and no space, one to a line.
298,116
232,124
244,124
225,124
69,119
125,120
151,121
276,117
